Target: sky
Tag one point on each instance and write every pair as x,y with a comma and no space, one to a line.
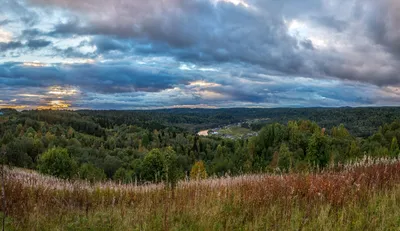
135,54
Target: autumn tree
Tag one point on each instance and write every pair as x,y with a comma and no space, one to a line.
198,171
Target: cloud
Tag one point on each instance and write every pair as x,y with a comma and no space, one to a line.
215,32
36,44
197,31
383,19
116,86
17,10
331,22
125,54
4,22
102,78
106,44
31,33
4,46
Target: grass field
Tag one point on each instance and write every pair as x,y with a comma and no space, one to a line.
234,131
364,196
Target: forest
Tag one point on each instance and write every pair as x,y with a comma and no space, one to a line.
144,147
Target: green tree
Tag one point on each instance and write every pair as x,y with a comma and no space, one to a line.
394,147
160,166
91,173
340,132
111,164
354,151
153,166
57,162
285,161
171,169
316,151
123,175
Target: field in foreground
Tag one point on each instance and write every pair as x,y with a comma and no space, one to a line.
365,196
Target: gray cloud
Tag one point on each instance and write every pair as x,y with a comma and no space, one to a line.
4,22
143,49
101,78
4,46
331,22
17,10
210,33
197,31
383,18
39,43
31,33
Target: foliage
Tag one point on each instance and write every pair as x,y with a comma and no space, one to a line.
160,165
91,173
161,145
57,162
198,171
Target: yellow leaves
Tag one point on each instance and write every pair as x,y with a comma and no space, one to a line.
198,171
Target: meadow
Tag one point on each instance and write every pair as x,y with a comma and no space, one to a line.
361,196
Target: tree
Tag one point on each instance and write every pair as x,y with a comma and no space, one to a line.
394,147
354,151
91,173
111,164
285,161
153,166
198,171
340,132
122,175
316,151
171,169
161,166
57,162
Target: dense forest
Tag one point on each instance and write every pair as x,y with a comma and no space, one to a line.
361,122
162,145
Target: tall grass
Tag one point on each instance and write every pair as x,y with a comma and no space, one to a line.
363,195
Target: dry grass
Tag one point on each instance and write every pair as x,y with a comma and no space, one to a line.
250,202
